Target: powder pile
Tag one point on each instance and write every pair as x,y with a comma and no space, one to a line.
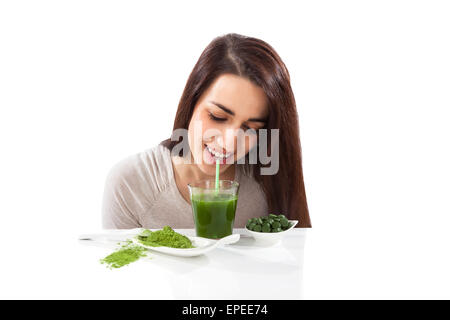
165,237
130,252
127,254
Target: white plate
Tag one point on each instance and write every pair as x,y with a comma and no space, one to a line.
271,237
202,245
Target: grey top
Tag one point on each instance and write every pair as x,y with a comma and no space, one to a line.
140,191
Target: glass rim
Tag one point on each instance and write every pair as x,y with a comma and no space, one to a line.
197,184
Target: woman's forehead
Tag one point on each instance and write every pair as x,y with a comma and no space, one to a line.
238,94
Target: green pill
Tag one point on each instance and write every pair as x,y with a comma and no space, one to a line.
265,227
284,223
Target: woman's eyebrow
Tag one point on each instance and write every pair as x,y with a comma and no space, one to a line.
232,113
257,120
223,108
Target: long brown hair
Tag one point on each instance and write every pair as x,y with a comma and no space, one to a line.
257,61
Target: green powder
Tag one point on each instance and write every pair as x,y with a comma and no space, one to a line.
130,252
127,254
165,237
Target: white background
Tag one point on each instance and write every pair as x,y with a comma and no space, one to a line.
85,83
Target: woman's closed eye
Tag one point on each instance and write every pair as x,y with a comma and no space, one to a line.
214,118
219,119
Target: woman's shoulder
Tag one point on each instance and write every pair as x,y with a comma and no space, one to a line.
148,171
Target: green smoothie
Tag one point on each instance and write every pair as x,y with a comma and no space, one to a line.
214,214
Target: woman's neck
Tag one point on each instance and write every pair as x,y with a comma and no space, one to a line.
185,173
190,172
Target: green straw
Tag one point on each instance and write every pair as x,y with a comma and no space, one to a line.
217,175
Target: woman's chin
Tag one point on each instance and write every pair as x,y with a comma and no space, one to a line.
210,169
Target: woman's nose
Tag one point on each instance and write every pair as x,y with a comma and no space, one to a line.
228,139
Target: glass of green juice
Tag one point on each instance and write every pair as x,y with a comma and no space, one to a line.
214,208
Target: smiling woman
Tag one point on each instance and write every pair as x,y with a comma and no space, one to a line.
229,104
238,90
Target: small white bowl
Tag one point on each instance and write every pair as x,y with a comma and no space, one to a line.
270,237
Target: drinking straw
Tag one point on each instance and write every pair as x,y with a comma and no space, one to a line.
217,175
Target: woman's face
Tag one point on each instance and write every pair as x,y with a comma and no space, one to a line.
226,110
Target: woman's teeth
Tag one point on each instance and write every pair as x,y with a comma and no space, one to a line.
218,154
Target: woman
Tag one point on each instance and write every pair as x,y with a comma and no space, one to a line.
239,84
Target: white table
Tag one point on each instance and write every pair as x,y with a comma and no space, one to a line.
244,270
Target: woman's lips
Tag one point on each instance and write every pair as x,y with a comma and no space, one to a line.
211,155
